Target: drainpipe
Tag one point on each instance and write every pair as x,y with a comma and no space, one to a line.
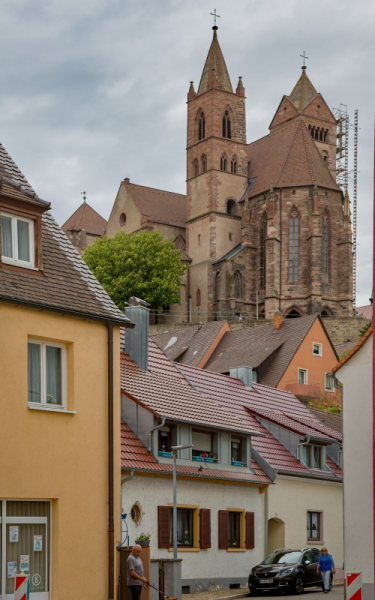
111,525
128,478
302,444
188,294
163,419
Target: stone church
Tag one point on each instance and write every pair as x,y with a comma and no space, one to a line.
264,227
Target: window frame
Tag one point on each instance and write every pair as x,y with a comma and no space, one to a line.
330,389
293,248
246,526
310,451
306,372
196,528
43,403
319,538
16,261
319,347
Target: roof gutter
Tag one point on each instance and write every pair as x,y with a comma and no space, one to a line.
70,313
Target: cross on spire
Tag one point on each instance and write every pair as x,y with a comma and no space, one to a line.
304,58
84,196
215,16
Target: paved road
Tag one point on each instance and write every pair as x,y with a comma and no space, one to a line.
337,593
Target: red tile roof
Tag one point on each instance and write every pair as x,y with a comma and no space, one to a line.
162,207
364,311
85,217
134,455
359,345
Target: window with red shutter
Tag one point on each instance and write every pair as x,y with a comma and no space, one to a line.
223,529
250,531
205,528
164,532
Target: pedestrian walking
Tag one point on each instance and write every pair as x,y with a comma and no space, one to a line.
135,577
325,566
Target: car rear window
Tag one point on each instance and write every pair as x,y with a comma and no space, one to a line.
282,558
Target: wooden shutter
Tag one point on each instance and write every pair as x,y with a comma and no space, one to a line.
164,526
250,531
223,529
205,528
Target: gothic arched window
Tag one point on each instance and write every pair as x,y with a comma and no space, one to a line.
196,167
223,163
198,297
238,285
227,131
231,207
217,287
233,166
227,285
201,126
263,255
204,163
293,245
325,244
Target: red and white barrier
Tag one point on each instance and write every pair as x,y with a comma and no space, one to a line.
353,585
22,587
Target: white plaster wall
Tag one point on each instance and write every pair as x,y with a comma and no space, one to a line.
356,376
291,498
152,492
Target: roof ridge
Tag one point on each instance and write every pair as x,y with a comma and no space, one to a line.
147,187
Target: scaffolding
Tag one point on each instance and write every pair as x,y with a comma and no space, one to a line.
343,175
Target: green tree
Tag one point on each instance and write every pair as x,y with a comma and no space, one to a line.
137,264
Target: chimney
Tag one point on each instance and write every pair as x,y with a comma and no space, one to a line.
277,321
136,339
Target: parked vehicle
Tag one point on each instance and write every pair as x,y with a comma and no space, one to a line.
286,570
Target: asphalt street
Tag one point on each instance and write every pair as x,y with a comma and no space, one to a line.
337,593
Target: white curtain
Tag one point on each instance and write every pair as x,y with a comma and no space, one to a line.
53,375
6,237
34,372
23,238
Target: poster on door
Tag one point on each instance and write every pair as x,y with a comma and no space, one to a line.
24,562
13,533
38,543
12,569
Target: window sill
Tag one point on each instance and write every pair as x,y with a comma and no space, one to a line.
315,542
190,549
53,410
236,549
16,263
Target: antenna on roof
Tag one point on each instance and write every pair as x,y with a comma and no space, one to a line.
84,196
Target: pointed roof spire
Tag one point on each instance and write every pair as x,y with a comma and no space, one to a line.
303,91
191,93
240,91
215,63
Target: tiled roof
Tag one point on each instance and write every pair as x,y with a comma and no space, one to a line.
134,455
330,419
189,345
9,169
85,217
340,348
358,345
228,255
303,92
364,311
65,283
252,345
288,157
180,244
164,391
215,67
158,205
273,405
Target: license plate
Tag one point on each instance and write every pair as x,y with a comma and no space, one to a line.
265,580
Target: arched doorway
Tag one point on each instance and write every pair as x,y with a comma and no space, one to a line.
276,534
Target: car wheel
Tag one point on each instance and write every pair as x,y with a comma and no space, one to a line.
299,585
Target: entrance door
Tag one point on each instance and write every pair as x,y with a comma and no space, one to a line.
25,546
276,534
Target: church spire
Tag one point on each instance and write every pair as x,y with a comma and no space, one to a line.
215,68
303,91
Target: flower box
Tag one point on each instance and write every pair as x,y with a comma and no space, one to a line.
166,454
236,463
210,460
198,458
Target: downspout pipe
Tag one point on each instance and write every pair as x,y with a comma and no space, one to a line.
111,525
302,444
163,419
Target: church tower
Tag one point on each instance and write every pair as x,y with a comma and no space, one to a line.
217,176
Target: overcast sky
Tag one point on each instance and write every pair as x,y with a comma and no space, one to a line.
93,92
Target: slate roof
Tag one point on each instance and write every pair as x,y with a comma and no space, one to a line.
65,282
252,345
215,67
85,217
160,206
164,391
303,92
134,455
287,157
273,405
189,345
340,348
330,419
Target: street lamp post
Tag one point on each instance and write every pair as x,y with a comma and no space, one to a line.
174,450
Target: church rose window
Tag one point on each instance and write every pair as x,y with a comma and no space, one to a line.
293,246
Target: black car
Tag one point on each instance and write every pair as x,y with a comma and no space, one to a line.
286,570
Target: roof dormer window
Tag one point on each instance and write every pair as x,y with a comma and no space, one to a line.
17,241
